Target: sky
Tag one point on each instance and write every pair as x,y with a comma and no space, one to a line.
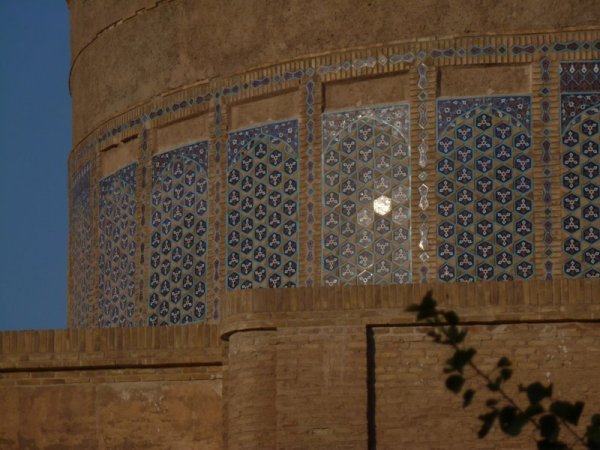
35,140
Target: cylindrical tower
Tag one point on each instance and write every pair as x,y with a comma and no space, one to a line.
223,145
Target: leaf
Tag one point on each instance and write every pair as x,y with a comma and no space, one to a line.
451,317
468,397
504,362
510,421
567,411
533,410
426,309
505,374
455,335
488,422
593,433
455,383
460,359
549,427
495,385
536,392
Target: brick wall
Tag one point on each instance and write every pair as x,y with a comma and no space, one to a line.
250,401
134,388
296,369
352,369
414,409
321,391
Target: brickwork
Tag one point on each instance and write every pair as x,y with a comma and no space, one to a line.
408,162
411,399
305,368
333,155
320,387
93,389
250,403
333,390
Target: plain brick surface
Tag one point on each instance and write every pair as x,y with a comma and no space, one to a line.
288,371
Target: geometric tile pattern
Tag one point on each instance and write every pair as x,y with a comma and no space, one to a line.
117,248
423,122
580,76
81,248
262,207
580,140
485,189
366,197
546,67
178,236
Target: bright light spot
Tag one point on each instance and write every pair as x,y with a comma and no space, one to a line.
382,205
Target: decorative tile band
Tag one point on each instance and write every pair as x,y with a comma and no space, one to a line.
486,190
310,179
546,75
81,248
579,96
262,207
178,240
580,139
580,76
307,68
423,148
366,196
117,248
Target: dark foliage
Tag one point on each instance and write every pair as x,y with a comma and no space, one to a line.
547,415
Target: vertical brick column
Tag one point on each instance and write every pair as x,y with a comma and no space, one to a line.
250,414
321,387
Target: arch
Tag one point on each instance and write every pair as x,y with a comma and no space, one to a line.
366,197
178,236
117,248
263,229
485,190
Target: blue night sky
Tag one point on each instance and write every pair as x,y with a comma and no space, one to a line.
35,140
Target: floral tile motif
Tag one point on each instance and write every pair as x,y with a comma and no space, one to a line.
580,141
580,76
81,247
238,141
178,236
117,248
262,207
573,105
449,111
485,207
366,197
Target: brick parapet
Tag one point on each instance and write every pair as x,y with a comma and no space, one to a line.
509,302
290,368
109,348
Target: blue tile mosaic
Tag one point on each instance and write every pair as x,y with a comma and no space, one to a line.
81,248
580,141
117,248
485,189
358,64
263,207
546,70
572,105
423,149
580,76
366,196
310,178
178,236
